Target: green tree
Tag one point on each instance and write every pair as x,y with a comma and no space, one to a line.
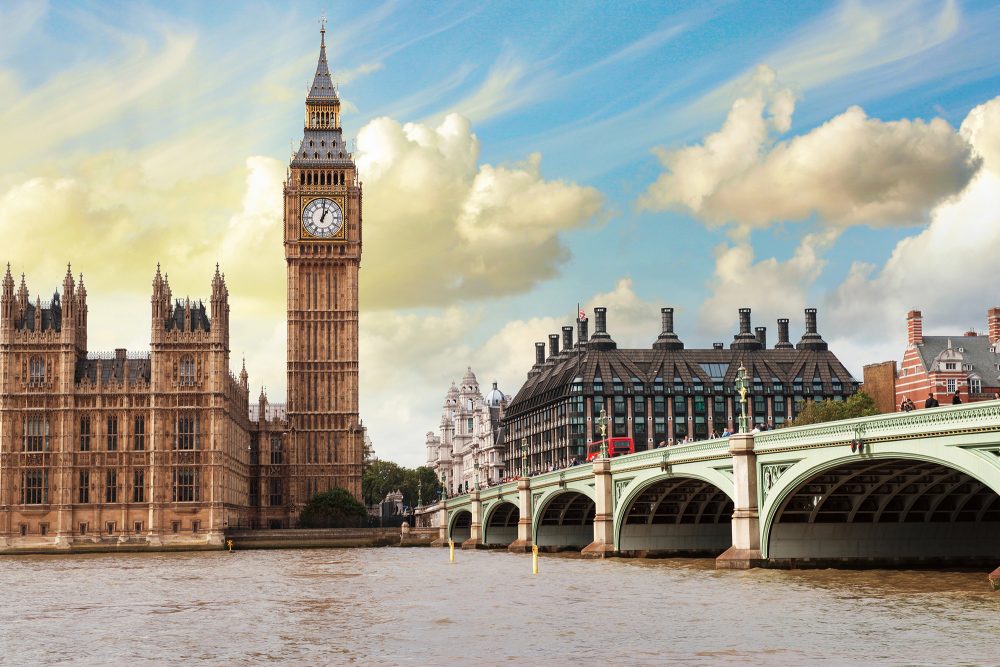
382,477
332,508
379,478
817,412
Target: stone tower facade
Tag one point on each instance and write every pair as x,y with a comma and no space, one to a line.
322,237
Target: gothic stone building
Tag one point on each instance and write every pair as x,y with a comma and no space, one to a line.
664,394
149,447
162,447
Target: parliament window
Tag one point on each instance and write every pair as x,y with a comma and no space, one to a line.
85,433
139,433
36,371
187,372
275,450
111,487
84,488
185,485
112,433
36,434
187,431
34,486
138,485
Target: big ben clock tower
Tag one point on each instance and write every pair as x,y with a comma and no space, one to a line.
323,254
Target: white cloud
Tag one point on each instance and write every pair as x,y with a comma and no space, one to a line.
771,288
852,170
445,227
948,270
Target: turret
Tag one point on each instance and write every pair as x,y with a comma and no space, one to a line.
244,378
220,308
7,306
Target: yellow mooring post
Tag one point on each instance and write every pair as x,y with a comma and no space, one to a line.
534,559
451,551
229,543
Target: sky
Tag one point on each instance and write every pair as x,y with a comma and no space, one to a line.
517,159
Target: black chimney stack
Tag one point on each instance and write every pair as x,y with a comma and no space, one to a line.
745,339
539,354
601,340
667,340
761,336
567,340
582,334
783,342
553,346
811,340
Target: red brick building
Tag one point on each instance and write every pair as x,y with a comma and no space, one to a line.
966,363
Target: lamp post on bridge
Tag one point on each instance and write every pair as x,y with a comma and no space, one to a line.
602,425
741,388
475,466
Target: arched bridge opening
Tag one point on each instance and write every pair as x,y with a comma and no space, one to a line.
461,527
679,516
895,511
501,525
566,523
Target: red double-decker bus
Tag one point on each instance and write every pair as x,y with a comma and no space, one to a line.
616,447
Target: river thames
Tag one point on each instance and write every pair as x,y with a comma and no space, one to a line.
411,606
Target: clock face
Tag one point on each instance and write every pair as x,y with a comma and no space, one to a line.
322,218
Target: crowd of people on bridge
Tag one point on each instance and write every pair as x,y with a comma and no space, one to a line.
907,404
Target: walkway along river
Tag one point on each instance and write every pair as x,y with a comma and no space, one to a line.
411,606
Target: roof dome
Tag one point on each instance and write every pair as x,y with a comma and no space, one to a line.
494,397
470,377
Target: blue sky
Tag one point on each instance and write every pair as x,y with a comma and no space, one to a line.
518,158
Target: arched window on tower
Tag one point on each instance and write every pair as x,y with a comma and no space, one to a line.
36,371
187,372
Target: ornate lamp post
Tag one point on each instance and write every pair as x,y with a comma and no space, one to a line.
420,492
524,457
602,424
475,467
741,388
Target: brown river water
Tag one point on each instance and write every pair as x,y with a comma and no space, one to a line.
411,606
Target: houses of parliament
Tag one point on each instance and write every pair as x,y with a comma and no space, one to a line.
163,448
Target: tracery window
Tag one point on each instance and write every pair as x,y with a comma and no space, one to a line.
187,372
34,486
36,371
36,434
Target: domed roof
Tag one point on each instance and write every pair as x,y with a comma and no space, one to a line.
470,377
494,397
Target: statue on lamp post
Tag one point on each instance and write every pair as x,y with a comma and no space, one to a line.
602,425
741,388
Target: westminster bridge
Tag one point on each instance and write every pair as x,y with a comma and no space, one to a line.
911,488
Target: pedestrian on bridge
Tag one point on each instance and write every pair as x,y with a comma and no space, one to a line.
931,402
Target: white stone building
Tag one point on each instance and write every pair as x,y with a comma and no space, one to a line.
470,432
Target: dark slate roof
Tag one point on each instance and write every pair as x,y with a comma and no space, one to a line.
322,147
199,318
698,370
51,316
322,89
112,368
974,350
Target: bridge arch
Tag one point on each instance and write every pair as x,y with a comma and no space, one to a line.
500,523
919,503
564,519
675,514
460,526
